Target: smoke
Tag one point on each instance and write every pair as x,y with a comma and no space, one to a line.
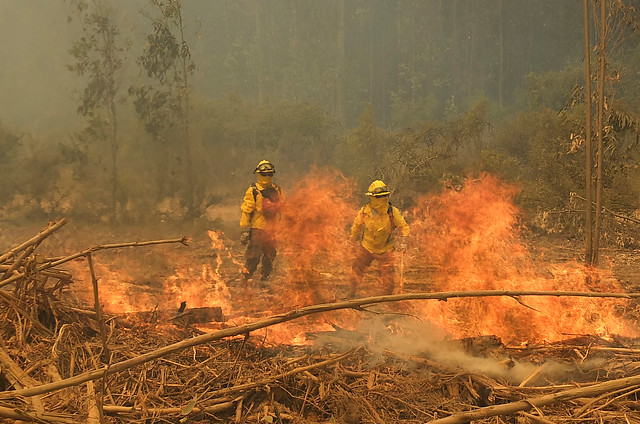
419,343
35,85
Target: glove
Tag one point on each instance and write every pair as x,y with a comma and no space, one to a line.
244,237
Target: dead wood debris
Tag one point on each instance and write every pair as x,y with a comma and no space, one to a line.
46,339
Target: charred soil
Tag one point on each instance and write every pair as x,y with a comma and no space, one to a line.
62,362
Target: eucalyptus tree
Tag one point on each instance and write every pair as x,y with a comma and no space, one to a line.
165,103
612,19
99,54
588,149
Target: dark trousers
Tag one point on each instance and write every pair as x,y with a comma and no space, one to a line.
262,247
363,260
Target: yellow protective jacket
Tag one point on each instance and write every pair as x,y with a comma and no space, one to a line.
376,229
252,216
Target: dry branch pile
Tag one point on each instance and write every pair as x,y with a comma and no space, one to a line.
66,363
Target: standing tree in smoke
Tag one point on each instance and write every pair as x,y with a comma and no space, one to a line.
98,57
612,119
167,60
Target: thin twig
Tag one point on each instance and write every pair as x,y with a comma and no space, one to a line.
289,316
182,240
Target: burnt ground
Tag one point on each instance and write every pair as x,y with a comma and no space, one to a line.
147,267
368,385
624,262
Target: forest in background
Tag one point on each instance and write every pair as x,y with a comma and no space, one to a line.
177,109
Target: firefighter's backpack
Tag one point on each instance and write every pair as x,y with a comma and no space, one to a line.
271,204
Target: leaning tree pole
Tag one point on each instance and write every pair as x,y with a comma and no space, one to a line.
588,148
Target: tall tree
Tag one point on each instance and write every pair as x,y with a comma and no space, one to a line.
167,60
588,148
615,17
340,60
602,49
98,55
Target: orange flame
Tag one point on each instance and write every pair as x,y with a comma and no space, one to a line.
312,235
471,238
467,238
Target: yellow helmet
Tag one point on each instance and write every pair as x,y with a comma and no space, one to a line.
378,189
265,167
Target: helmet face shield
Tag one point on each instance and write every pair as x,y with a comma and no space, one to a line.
379,192
378,189
265,168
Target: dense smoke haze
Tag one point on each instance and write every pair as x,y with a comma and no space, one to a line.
38,89
36,86
382,188
418,93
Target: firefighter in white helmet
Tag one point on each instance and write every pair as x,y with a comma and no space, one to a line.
374,227
260,208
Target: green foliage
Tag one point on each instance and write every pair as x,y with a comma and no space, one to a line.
163,105
166,46
98,56
155,109
536,150
415,161
407,114
627,75
364,148
551,89
10,145
302,134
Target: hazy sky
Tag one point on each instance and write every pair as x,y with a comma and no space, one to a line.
36,87
37,90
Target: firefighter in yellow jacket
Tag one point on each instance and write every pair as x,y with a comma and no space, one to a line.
260,209
374,227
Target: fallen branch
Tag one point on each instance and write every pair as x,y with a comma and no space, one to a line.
18,262
219,407
15,304
299,370
609,211
536,419
187,317
182,240
56,262
289,316
16,414
34,240
18,378
535,402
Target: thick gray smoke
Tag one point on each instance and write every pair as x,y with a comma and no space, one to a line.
419,343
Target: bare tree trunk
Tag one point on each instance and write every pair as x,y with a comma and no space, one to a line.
501,52
340,61
260,70
371,59
114,159
588,148
108,43
598,218
186,124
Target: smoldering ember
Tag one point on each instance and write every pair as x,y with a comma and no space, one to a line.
491,328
